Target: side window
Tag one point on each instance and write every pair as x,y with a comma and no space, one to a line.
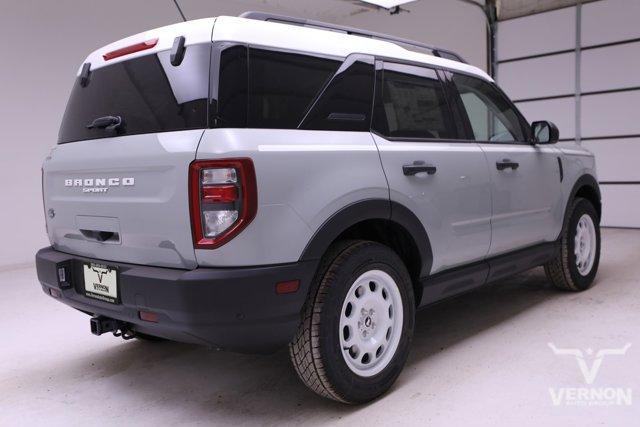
492,117
283,85
411,103
345,105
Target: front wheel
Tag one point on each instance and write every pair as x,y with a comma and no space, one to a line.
355,335
575,267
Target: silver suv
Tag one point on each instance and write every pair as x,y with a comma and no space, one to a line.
248,183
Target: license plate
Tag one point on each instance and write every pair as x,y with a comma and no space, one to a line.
101,282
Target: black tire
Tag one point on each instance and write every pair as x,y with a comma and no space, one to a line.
563,271
316,351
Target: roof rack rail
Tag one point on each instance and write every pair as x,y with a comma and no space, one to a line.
436,51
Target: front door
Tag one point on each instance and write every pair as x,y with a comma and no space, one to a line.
525,178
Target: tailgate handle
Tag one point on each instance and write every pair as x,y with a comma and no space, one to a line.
101,236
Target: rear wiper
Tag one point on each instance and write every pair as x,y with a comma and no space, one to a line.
109,123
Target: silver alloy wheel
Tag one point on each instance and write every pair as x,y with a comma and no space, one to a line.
585,244
371,323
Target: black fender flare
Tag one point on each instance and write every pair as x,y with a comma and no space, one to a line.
357,212
585,180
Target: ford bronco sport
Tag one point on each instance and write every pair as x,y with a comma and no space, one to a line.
248,183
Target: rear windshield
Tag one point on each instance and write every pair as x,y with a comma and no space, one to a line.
148,93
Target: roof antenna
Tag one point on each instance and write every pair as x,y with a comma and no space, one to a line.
179,10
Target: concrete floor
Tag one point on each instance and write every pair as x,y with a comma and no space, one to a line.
481,359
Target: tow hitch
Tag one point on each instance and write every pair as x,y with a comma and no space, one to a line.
101,325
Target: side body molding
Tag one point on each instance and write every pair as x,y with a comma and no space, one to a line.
368,210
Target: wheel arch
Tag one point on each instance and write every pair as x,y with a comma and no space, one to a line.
586,187
383,221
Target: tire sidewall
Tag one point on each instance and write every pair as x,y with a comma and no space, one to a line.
582,207
354,388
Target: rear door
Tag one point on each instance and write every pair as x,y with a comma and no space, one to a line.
525,178
443,180
120,192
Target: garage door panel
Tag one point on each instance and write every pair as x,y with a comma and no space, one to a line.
536,34
550,76
620,205
611,114
559,111
609,73
612,67
616,159
610,21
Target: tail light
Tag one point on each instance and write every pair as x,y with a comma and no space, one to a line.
224,200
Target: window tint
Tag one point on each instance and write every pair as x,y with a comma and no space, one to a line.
411,103
283,85
149,93
346,103
492,117
229,99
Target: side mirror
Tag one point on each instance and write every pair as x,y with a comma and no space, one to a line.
544,132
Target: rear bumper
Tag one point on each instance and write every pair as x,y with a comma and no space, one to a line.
235,309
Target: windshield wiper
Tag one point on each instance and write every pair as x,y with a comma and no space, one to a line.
108,123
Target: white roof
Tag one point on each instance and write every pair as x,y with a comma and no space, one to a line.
273,34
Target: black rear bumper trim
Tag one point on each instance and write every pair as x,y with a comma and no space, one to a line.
235,309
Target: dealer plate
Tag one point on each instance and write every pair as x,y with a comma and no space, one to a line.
101,282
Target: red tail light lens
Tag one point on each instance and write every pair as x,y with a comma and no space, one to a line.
130,49
224,200
219,194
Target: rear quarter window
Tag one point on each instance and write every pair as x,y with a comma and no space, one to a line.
262,88
283,85
345,104
148,93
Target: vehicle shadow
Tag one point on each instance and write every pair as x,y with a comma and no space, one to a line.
442,325
203,384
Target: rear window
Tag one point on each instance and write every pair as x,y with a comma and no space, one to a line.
411,103
148,93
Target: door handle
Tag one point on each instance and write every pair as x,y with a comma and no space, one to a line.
507,164
417,167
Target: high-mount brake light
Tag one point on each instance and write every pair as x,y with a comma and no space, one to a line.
130,49
223,200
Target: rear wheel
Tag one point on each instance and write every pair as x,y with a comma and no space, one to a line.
575,267
355,335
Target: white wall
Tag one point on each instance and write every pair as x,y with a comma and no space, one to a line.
538,60
42,45
43,42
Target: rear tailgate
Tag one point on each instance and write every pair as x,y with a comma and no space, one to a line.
122,194
123,199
